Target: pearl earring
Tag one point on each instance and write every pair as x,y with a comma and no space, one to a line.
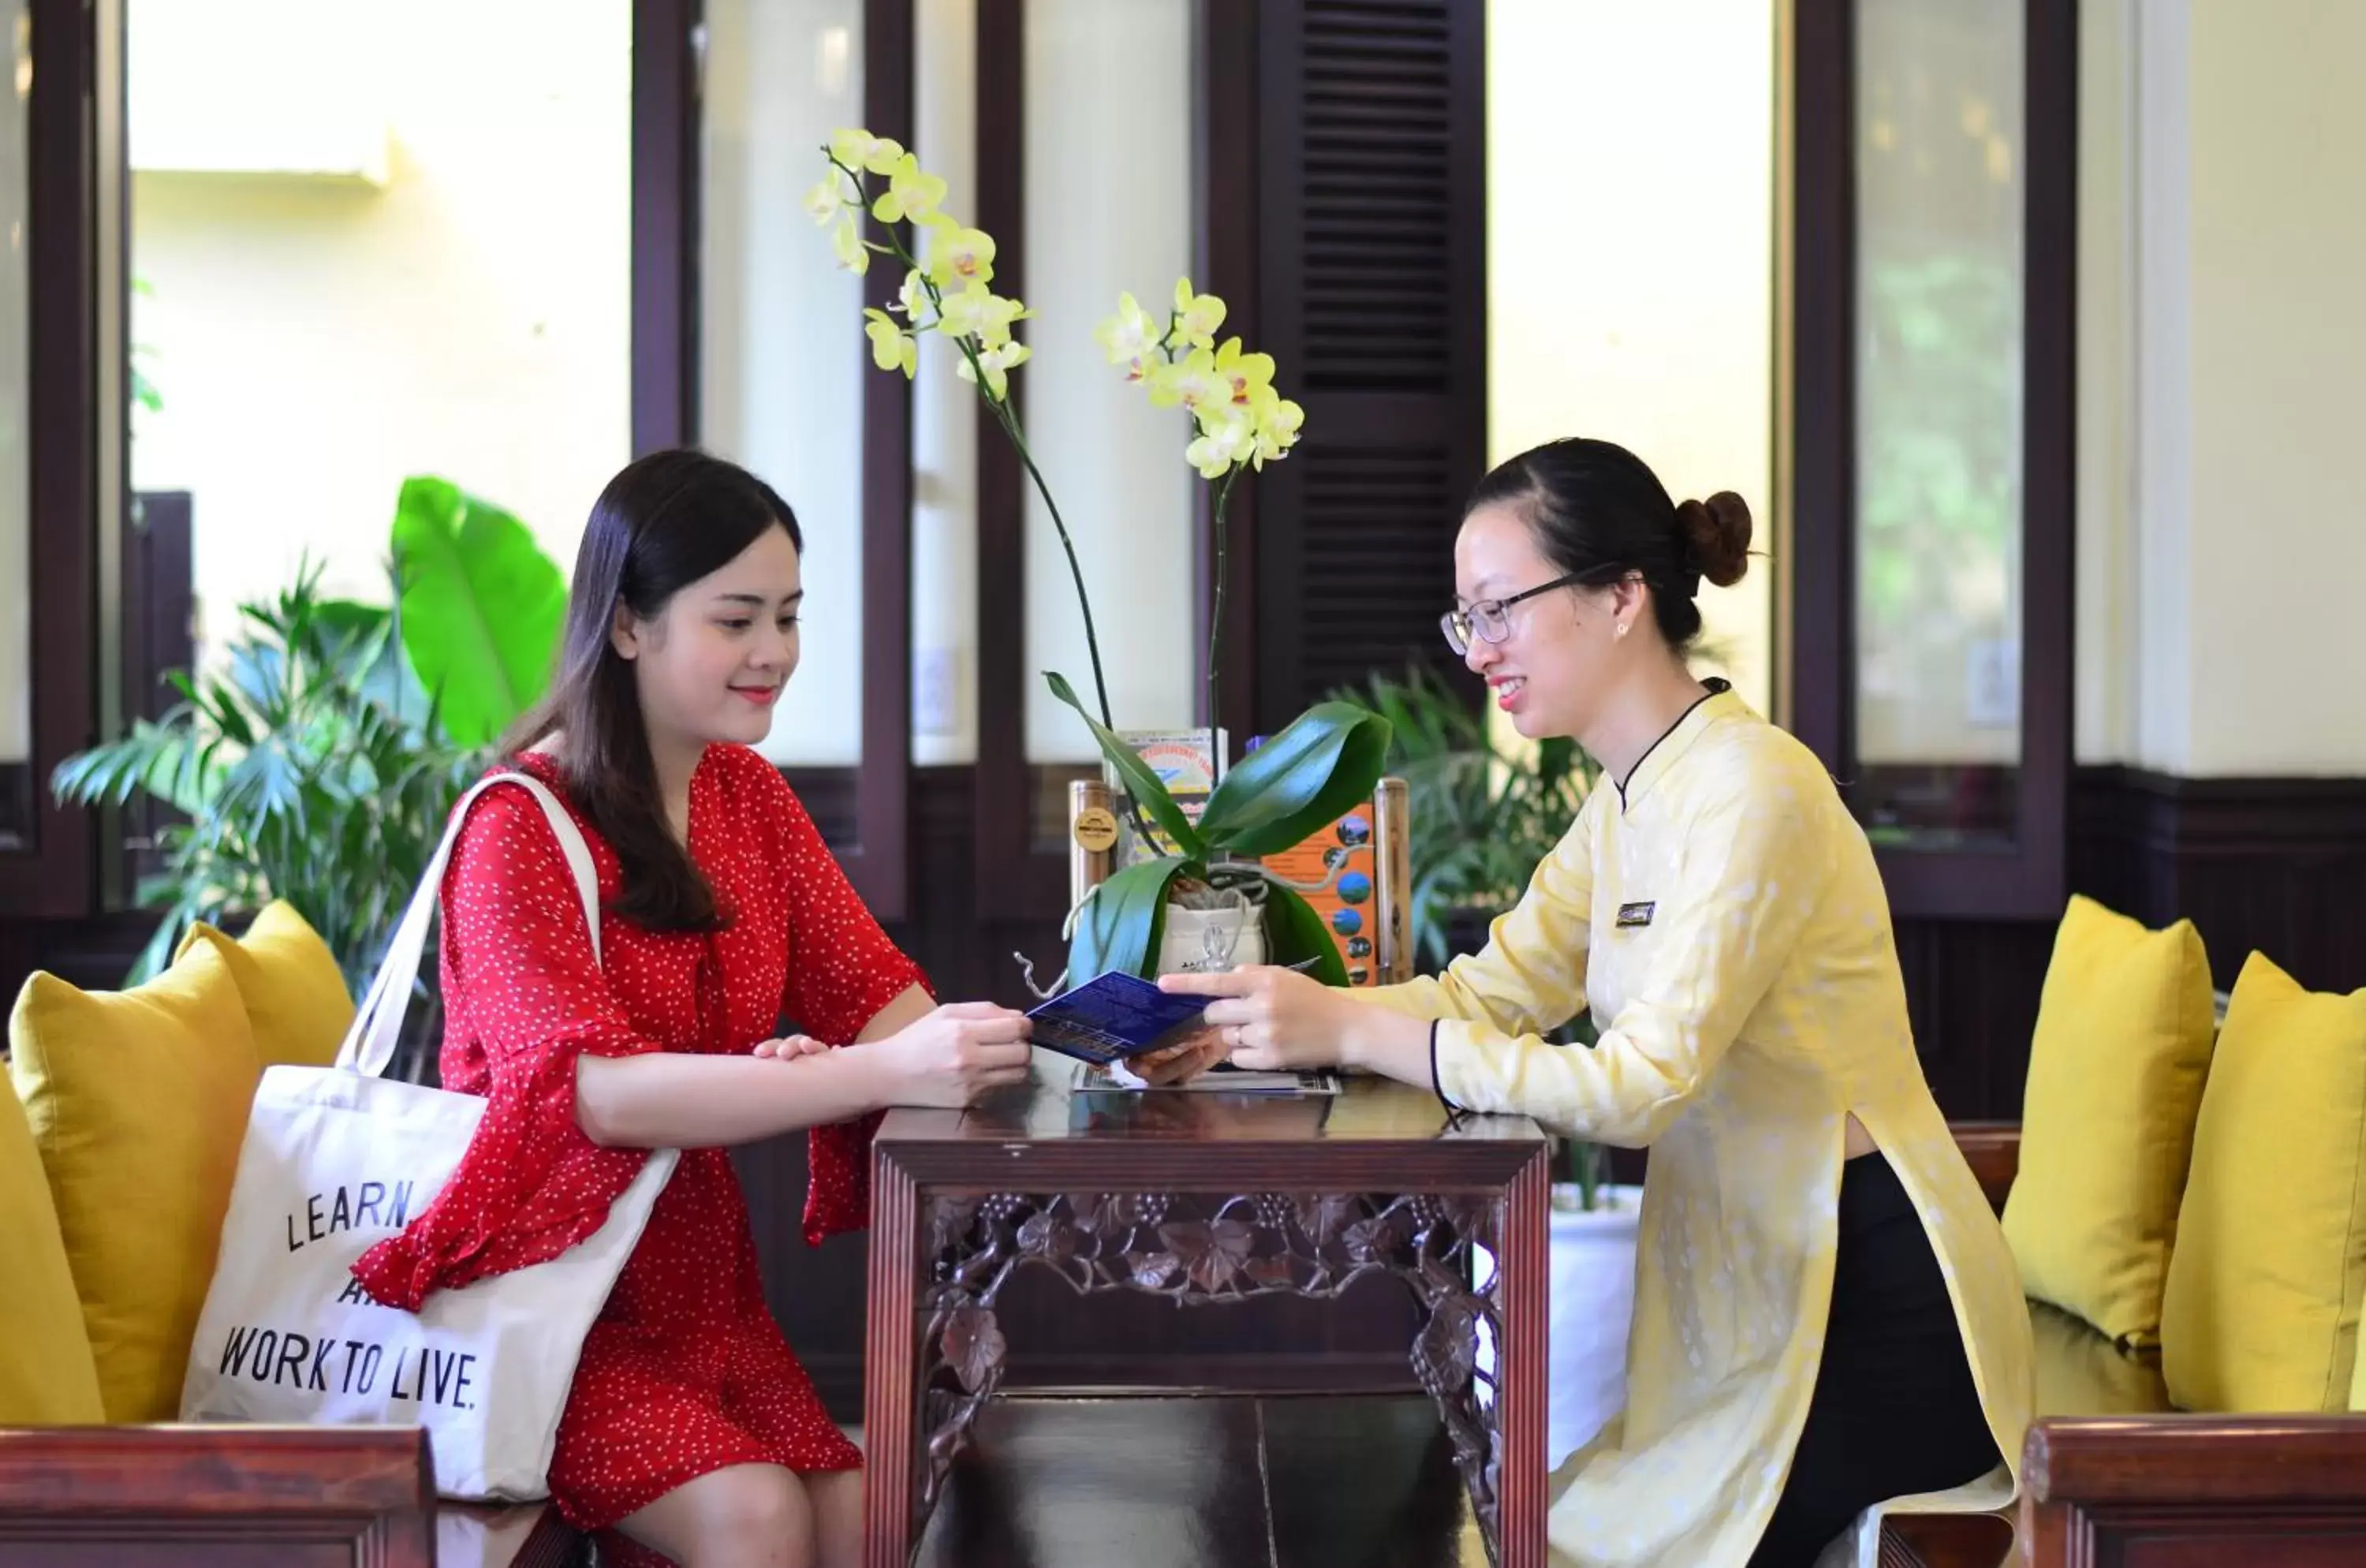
1622,630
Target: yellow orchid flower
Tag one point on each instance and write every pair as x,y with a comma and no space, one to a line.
1228,437
912,296
847,241
1278,423
1191,381
1132,338
958,255
978,311
827,197
860,150
1197,315
1247,374
997,363
910,193
891,347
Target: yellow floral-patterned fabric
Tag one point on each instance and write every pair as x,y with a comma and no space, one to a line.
1725,923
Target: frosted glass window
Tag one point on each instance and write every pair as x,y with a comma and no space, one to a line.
1940,163
782,356
1108,209
17,787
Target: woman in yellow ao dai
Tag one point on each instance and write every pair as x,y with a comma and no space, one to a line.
1826,1315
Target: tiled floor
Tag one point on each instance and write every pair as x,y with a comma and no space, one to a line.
1207,1482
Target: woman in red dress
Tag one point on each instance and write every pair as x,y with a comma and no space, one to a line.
690,1428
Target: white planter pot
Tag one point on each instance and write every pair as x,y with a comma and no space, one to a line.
1590,1302
1593,1302
1194,936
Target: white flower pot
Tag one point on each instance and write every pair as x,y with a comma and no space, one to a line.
1590,1302
1193,936
1593,1302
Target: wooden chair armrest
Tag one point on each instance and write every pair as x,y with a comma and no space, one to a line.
1993,1151
2284,1460
2198,1490
190,1495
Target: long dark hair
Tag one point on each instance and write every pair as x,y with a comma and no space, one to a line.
1598,510
663,523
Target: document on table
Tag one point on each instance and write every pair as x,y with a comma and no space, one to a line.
1114,1078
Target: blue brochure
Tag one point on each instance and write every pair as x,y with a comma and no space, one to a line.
1113,1017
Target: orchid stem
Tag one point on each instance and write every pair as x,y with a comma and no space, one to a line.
1216,633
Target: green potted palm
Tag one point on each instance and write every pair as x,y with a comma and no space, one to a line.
319,760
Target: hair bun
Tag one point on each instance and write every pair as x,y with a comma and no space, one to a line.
1717,533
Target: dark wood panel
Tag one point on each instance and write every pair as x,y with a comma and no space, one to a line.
219,1494
52,869
1369,192
2273,864
665,218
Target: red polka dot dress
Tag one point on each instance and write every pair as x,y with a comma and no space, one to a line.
685,1370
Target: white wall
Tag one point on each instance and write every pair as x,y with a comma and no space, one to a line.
1629,255
783,358
317,339
1108,210
2222,539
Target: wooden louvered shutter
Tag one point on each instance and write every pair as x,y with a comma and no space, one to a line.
1371,292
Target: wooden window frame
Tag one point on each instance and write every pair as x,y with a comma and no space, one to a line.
1817,415
76,359
668,108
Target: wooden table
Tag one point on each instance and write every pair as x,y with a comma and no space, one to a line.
1203,1197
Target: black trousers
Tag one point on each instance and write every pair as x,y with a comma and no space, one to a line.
1895,1408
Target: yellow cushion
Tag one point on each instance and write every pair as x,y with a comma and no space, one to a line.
138,1102
295,994
2264,1288
47,1378
2115,1074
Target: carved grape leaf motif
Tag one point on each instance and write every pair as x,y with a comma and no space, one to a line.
1273,1272
1212,1253
1322,1215
1473,1219
1378,1239
1150,1270
949,1221
974,1347
1047,1236
1447,1349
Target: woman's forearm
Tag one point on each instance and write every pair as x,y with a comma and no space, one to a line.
665,1099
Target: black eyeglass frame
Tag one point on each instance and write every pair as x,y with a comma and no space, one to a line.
1501,608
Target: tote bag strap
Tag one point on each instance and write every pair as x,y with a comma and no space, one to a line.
369,1045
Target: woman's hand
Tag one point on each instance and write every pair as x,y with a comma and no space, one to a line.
1271,1018
1179,1063
954,1054
790,1048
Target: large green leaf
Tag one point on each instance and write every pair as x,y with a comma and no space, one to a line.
1298,782
1122,923
481,606
1141,780
1294,932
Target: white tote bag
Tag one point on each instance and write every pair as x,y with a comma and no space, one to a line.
335,1160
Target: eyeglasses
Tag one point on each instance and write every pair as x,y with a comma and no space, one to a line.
1490,619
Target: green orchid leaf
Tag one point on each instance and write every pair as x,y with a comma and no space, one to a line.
481,606
1122,923
1294,932
1299,782
1141,782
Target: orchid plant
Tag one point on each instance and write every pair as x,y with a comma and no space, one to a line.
1297,784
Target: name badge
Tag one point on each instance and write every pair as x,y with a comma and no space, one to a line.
1632,915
